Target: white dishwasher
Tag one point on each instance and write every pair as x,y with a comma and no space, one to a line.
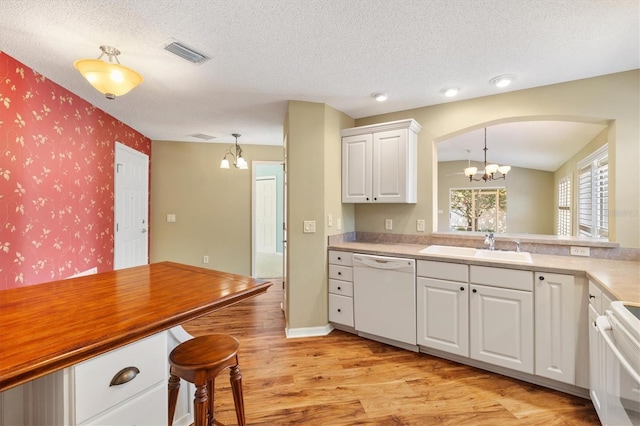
384,299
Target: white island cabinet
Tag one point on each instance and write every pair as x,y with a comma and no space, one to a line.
379,163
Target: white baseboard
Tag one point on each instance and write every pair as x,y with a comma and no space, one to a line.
292,333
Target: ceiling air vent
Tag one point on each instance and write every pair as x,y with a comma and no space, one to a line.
186,52
202,136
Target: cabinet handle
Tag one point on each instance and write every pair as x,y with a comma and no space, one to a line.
591,296
339,310
461,288
474,290
339,288
125,375
367,198
339,258
541,277
375,198
339,273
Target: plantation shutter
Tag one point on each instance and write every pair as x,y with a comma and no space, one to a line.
564,207
593,195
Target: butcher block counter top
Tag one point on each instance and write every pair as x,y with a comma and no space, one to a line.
47,327
621,278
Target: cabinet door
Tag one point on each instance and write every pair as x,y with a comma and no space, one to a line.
501,327
555,340
597,368
390,167
356,168
443,315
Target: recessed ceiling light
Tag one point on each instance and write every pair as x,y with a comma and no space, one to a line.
502,80
450,91
380,97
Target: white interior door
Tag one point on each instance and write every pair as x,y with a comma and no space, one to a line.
266,213
131,246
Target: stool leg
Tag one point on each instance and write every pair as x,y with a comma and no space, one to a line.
174,387
200,405
211,384
236,386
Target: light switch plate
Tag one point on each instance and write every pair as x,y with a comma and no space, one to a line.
388,224
420,225
339,224
309,226
329,221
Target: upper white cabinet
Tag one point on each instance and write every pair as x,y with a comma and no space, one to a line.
379,163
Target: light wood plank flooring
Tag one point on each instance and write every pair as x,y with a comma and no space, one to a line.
342,379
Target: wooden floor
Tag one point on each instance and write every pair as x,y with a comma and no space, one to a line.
342,379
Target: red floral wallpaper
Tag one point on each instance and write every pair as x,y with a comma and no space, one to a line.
56,179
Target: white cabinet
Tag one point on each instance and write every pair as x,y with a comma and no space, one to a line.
443,306
379,163
341,290
597,385
555,340
501,318
85,395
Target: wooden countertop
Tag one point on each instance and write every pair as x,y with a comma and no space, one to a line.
46,327
619,277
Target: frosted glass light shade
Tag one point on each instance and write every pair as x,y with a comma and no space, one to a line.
504,169
491,168
242,164
109,78
224,164
470,171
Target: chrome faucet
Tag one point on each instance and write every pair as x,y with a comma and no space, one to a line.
517,245
490,241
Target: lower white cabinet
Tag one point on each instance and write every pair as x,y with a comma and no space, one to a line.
597,385
501,327
85,393
341,290
443,315
555,340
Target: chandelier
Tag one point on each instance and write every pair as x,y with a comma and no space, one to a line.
490,170
236,155
109,78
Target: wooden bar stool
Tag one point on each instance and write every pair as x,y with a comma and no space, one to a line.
199,361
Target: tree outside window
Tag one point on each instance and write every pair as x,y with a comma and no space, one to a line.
482,210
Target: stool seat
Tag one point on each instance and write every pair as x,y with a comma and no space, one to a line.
199,361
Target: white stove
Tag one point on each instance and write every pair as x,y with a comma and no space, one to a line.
619,363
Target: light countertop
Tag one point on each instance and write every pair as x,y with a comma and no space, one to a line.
618,277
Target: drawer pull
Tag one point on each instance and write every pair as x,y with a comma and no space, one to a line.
339,258
339,273
591,296
461,288
125,375
541,277
339,310
474,290
339,288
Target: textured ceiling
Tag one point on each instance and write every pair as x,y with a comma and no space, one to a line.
338,52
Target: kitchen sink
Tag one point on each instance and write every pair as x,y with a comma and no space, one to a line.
507,256
450,251
473,253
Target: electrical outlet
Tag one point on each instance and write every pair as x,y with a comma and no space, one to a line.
580,251
388,224
309,226
420,225
205,259
171,217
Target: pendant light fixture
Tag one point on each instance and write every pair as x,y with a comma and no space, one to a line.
109,78
236,155
490,170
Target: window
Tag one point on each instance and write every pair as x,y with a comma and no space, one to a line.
593,197
564,206
483,210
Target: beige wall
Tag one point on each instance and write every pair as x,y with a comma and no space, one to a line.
600,99
212,205
313,141
530,196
